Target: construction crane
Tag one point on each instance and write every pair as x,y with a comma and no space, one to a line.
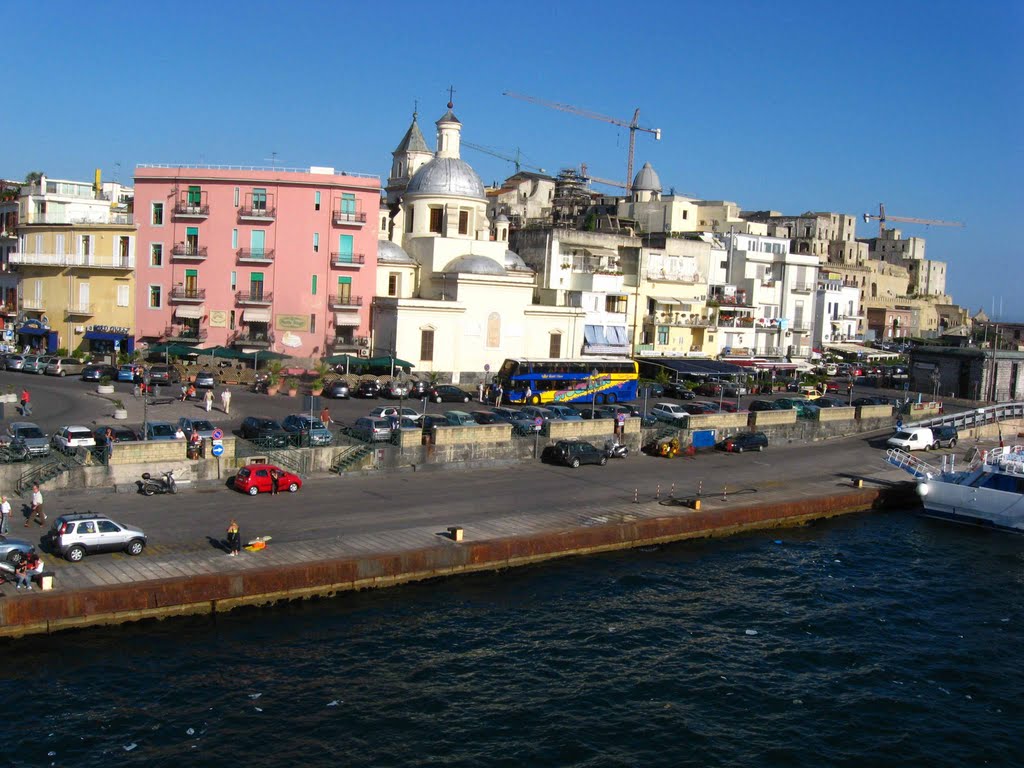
882,218
519,164
633,124
609,182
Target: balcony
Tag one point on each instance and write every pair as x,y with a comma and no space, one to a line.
57,260
99,219
257,213
8,309
251,339
347,260
255,256
803,287
35,305
184,333
348,218
254,298
189,252
344,301
79,310
678,319
799,327
347,343
191,205
187,295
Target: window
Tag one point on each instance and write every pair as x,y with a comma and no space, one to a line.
393,283
256,285
435,219
236,197
316,242
408,223
663,334
234,239
312,323
231,319
316,201
344,288
195,197
155,294
157,215
234,280
348,202
106,526
156,254
313,285
345,245
259,199
463,222
427,344
555,345
122,295
192,282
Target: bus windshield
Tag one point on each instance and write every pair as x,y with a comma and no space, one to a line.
581,380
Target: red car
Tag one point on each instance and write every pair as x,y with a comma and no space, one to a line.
255,478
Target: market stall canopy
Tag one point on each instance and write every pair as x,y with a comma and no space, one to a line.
387,364
172,350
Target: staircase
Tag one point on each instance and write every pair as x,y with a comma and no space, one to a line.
350,457
289,460
52,466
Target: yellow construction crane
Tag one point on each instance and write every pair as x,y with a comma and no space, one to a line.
633,125
515,160
882,218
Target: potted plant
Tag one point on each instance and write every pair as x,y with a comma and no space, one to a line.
273,384
317,387
105,386
292,385
120,412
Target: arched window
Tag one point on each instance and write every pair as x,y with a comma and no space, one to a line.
494,330
874,290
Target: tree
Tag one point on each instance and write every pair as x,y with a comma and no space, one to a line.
33,177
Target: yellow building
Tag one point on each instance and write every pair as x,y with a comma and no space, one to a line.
75,265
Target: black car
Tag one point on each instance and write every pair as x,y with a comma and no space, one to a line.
744,441
572,453
267,431
652,390
338,389
417,389
448,393
120,434
679,390
764,405
97,372
164,374
367,388
486,417
945,437
829,402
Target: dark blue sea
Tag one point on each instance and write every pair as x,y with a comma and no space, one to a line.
874,640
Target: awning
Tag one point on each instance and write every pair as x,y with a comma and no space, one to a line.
606,252
659,300
99,336
190,311
256,315
346,319
34,331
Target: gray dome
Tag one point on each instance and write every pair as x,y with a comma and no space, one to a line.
647,180
446,176
475,265
392,253
515,263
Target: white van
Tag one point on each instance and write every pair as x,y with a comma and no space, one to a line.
917,439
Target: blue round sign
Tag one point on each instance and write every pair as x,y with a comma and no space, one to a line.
217,450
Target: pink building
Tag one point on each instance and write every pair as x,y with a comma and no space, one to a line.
256,258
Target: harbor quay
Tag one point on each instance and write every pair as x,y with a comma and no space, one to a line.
386,528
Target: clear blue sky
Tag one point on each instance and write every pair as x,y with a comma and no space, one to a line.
791,106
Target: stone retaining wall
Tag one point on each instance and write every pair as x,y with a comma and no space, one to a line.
761,419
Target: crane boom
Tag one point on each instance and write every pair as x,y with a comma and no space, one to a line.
882,218
515,160
633,125
598,179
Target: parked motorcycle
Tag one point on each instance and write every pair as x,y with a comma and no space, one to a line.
149,485
260,384
613,449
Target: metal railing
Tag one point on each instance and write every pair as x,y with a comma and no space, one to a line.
248,254
347,259
252,212
344,300
349,217
184,333
254,297
180,293
190,251
99,219
975,418
79,309
71,260
273,168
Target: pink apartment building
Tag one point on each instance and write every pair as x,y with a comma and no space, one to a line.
256,258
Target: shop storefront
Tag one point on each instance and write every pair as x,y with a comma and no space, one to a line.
38,337
109,339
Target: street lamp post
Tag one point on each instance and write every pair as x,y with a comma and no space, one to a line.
593,399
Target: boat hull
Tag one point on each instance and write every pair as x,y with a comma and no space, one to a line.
968,505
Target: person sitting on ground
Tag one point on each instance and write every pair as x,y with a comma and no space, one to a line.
27,568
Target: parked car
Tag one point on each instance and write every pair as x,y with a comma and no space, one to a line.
266,431
596,412
64,366
829,402
393,390
572,453
254,479
709,389
698,407
486,417
520,424
300,424
533,412
652,390
389,411
417,388
14,362
764,405
126,372
744,441
203,426
164,374
76,535
70,439
120,434
37,441
459,418
337,389
448,393
669,412
372,429
35,364
679,389
564,413
917,439
734,390
945,437
205,380
13,551
430,421
161,430
790,403
367,388
96,372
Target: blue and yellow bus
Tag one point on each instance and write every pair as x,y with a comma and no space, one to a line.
582,380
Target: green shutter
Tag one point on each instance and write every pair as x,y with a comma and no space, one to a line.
344,281
192,273
314,285
256,277
192,231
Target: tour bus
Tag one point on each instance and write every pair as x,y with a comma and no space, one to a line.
559,380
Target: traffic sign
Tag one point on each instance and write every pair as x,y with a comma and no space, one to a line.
218,433
487,367
621,418
218,449
538,421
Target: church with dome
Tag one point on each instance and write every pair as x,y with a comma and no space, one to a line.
451,297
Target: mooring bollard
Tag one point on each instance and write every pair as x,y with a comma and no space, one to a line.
657,493
700,488
672,493
725,493
636,495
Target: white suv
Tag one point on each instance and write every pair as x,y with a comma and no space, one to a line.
74,536
669,412
69,439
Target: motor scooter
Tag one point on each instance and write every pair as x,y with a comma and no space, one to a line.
613,449
149,485
260,384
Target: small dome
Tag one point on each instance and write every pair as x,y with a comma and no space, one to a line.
446,176
475,265
515,263
502,219
647,180
392,253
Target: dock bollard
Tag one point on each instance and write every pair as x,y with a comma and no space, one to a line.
725,493
455,531
700,488
636,495
672,493
657,493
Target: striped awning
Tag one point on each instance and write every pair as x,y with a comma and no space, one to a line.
190,311
346,319
256,315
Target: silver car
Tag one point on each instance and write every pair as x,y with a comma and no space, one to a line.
77,535
31,364
37,441
13,551
64,366
15,362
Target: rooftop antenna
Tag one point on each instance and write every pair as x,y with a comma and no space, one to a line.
272,159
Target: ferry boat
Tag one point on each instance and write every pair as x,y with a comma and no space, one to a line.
989,492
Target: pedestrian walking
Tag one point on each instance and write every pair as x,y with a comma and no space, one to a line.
325,417
497,397
225,400
26,402
234,538
529,394
208,400
5,515
480,390
36,513
108,444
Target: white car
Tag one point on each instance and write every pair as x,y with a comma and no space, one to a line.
669,411
69,439
387,411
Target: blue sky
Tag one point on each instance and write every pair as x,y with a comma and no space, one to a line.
790,106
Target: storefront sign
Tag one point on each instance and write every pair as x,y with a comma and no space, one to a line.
218,318
114,329
291,322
